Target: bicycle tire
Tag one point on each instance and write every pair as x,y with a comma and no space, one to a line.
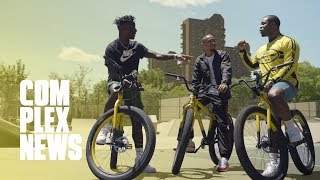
148,150
242,151
307,168
215,156
182,144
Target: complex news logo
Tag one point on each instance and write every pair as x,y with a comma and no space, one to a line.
51,99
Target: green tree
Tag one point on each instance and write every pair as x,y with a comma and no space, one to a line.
177,91
10,78
80,89
154,78
309,82
154,85
242,96
98,97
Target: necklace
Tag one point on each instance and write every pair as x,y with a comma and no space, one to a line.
124,45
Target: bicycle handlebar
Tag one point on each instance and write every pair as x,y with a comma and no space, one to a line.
258,87
128,80
179,76
187,82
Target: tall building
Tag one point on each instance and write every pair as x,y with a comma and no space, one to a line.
193,30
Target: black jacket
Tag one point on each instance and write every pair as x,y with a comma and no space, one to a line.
222,71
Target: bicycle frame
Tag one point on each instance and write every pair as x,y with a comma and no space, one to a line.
264,101
117,120
197,106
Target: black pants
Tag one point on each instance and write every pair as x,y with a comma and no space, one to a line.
220,108
132,98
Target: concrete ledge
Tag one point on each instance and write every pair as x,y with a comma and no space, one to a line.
154,122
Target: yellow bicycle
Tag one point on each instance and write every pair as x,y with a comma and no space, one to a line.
191,111
116,159
258,131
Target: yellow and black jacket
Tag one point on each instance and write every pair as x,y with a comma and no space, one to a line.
281,50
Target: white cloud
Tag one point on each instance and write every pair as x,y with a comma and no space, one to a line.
183,3
78,55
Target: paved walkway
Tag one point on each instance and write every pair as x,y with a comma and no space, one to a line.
195,166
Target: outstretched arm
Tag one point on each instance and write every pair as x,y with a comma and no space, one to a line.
165,57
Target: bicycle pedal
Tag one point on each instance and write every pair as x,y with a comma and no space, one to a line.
191,152
295,144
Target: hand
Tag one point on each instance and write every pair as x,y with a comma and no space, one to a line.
268,86
192,95
183,57
223,88
242,45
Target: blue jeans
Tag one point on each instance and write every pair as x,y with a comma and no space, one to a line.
290,91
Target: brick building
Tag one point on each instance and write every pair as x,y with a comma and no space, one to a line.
193,31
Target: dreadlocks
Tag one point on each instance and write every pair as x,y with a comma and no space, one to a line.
124,19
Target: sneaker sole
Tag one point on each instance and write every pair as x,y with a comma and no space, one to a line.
100,143
222,170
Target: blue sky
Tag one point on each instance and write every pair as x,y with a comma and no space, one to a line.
56,36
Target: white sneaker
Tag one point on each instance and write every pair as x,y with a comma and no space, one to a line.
294,134
271,169
105,135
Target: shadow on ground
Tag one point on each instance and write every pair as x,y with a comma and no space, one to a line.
189,173
314,176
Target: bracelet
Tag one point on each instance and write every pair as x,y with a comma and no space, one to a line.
176,56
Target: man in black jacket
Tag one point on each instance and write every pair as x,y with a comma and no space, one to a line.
214,67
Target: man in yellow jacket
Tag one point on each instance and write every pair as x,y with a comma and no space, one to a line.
282,86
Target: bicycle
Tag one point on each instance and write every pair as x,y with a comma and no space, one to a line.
115,159
258,132
191,110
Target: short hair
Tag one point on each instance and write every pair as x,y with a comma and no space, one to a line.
206,37
273,18
119,21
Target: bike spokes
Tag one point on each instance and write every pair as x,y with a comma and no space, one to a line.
303,154
118,154
260,145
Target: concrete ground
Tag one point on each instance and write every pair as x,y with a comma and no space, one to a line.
195,166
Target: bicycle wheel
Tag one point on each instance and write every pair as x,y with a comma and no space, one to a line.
116,160
182,144
214,145
303,155
253,147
